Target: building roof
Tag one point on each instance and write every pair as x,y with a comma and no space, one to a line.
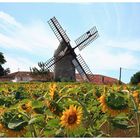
96,78
99,79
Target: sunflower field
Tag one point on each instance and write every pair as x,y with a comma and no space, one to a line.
69,110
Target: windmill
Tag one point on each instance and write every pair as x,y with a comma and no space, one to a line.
65,60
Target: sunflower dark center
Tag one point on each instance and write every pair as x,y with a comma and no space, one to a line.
72,118
24,107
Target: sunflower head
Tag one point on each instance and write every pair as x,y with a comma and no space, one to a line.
2,110
114,103
27,107
71,118
52,91
136,96
54,108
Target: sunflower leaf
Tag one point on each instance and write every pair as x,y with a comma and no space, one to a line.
37,104
17,124
36,119
49,132
53,123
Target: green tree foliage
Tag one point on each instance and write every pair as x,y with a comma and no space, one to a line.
42,72
3,61
1,71
42,69
135,79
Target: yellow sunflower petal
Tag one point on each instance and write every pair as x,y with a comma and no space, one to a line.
71,118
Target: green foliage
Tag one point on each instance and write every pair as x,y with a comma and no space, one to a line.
38,107
1,71
43,72
121,122
2,59
20,93
117,101
135,79
41,114
37,119
53,123
7,101
14,120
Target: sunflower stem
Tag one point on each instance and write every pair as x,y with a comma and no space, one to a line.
62,98
137,114
85,110
72,97
33,132
102,123
110,126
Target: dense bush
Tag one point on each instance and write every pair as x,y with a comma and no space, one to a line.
135,79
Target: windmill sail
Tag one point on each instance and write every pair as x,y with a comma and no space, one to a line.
58,30
49,64
87,38
82,68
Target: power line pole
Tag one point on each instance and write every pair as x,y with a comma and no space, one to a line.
120,75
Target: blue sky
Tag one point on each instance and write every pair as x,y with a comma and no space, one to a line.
26,38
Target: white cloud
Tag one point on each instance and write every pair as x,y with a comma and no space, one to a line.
7,19
102,58
18,63
129,45
34,38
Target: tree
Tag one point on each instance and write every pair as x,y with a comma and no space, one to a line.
2,70
42,72
6,71
2,59
135,79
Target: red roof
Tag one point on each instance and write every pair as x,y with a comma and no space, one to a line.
99,79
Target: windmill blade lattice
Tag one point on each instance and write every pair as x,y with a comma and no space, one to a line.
49,64
82,68
51,68
87,38
58,30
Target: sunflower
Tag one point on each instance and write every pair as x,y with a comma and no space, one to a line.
54,107
52,89
71,118
113,104
136,96
2,110
27,107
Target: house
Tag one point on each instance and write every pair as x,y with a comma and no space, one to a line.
23,76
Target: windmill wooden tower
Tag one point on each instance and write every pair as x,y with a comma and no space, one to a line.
65,60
